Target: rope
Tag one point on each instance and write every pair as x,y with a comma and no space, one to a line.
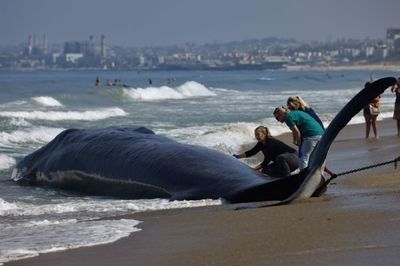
361,169
366,167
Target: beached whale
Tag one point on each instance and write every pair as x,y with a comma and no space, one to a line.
137,164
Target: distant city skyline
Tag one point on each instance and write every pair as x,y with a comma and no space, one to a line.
157,23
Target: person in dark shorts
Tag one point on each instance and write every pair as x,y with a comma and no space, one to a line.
279,158
396,112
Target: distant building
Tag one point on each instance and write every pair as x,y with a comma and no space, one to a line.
54,57
73,57
44,44
34,48
142,60
29,47
82,53
87,48
91,46
369,51
73,47
103,46
393,39
382,51
392,34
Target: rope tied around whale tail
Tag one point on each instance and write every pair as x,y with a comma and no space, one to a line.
394,161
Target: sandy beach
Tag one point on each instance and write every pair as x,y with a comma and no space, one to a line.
356,222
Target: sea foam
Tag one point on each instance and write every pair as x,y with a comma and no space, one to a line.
189,89
228,138
39,135
57,237
46,101
6,207
89,115
29,239
104,207
6,161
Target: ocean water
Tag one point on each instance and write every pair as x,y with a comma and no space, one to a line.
217,109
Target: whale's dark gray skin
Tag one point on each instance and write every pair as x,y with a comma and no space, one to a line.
137,164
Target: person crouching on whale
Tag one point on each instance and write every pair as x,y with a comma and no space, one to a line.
306,131
279,158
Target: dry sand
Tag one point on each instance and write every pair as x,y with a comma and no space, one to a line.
356,222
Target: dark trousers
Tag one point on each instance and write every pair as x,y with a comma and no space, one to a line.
284,164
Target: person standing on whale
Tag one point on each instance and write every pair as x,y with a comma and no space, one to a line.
279,158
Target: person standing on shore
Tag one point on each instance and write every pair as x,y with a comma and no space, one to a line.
370,113
396,114
279,158
306,131
297,103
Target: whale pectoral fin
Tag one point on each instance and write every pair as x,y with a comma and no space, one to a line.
321,189
282,191
278,189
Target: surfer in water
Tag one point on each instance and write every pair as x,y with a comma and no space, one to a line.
279,158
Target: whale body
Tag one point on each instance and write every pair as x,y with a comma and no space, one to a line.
139,164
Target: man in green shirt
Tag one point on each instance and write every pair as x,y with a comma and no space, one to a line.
305,129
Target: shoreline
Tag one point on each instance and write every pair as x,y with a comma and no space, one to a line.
354,223
367,67
322,68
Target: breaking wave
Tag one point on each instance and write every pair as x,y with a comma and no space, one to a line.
189,89
6,161
89,115
47,101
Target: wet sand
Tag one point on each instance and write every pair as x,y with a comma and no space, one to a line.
356,222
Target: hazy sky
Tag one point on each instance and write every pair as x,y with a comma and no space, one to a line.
164,22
